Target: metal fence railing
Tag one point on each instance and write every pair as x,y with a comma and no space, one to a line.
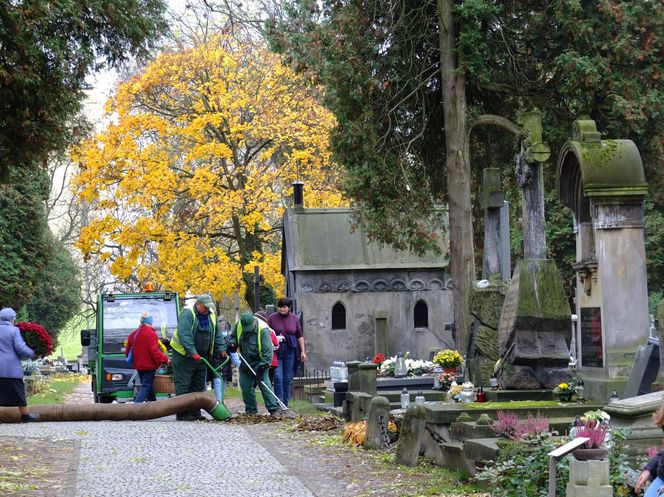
307,383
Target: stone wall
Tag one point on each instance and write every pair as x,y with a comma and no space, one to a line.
363,293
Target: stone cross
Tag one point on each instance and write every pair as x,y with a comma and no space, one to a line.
496,262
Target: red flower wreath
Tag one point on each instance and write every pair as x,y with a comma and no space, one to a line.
37,338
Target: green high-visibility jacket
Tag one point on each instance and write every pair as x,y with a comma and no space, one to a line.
255,347
188,334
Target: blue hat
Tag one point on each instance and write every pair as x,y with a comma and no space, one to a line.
7,314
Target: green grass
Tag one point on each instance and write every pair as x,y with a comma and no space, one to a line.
68,344
55,388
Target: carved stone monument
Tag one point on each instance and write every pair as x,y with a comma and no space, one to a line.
602,181
485,303
534,329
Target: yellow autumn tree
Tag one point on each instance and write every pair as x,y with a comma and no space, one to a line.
189,180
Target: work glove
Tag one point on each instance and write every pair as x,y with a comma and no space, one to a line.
260,370
196,357
232,347
280,338
235,359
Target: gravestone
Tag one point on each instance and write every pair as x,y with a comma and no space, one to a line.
534,331
380,325
660,326
485,303
379,417
644,371
409,444
603,183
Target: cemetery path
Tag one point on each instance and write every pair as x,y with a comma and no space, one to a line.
142,458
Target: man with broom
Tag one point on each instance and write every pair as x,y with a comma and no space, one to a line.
251,338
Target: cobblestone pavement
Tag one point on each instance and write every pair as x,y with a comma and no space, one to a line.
143,458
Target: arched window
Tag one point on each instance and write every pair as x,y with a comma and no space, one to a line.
421,315
338,316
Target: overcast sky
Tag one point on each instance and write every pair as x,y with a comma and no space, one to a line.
104,82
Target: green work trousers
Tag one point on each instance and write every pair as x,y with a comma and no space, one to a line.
248,388
188,375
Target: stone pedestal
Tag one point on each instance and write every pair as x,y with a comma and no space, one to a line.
367,374
534,330
589,479
354,381
483,350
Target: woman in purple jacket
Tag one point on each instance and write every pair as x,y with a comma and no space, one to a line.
12,350
289,333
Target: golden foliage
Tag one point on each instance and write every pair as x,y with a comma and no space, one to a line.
189,179
355,433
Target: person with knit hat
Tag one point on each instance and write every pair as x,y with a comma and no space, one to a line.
196,335
251,338
12,349
147,357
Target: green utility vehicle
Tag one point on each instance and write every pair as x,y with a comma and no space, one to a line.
117,316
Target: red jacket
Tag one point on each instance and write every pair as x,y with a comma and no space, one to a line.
275,345
147,354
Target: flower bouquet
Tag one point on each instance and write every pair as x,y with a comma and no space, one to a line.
418,367
564,392
596,432
36,337
448,359
378,359
444,380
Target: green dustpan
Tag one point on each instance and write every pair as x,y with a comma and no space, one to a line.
220,412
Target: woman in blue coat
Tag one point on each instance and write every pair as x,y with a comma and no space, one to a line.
12,350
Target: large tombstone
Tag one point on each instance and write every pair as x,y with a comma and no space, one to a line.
486,302
602,181
534,329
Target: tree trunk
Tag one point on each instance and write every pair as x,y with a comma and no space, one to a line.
462,256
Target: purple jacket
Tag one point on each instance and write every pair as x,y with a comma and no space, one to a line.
288,325
12,349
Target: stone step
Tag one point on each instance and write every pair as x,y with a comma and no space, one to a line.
470,430
314,389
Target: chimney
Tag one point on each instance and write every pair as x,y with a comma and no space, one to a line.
298,194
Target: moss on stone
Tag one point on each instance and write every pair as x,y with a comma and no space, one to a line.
486,303
484,420
541,292
486,341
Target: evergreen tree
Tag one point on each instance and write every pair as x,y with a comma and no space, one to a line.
403,76
46,50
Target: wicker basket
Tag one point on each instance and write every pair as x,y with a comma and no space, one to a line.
163,383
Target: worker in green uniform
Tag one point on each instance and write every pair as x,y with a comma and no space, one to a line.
196,335
251,338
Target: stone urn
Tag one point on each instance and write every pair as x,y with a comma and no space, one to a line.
590,454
